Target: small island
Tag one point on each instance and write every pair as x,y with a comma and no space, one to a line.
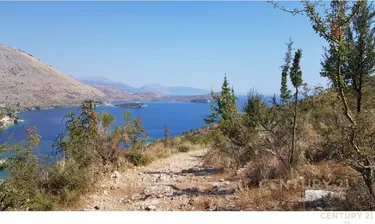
131,105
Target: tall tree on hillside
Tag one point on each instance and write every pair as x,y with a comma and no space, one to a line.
224,106
284,91
345,25
166,135
296,78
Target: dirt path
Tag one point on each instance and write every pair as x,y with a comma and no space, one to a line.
177,183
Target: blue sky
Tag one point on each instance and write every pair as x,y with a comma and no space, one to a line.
172,43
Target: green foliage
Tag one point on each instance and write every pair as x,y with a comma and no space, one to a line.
254,109
284,92
137,158
295,71
78,142
85,149
224,107
25,189
106,120
166,136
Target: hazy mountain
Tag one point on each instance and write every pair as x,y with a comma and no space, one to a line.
103,81
181,90
157,88
27,82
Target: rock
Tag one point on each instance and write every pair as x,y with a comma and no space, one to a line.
220,184
314,195
163,177
159,196
136,197
97,207
115,175
221,180
105,193
158,190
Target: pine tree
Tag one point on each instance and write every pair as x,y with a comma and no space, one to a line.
166,135
361,57
359,63
296,78
284,92
224,106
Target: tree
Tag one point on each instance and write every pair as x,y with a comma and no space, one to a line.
224,107
296,78
348,61
361,57
284,92
166,135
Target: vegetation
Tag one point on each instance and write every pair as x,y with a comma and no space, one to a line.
166,136
89,148
310,133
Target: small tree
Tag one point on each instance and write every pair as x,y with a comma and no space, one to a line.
224,106
280,122
166,135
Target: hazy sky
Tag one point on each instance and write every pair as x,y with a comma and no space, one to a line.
172,43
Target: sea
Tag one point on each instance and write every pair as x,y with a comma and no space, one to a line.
178,116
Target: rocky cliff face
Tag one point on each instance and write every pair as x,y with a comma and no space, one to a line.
27,82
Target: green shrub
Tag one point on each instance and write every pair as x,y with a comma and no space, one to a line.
185,147
137,158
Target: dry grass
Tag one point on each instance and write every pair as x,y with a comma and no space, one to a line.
326,171
262,199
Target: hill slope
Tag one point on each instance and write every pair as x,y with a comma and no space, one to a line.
27,82
115,93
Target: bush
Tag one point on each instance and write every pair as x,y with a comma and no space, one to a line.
137,158
357,198
84,151
157,149
265,167
185,147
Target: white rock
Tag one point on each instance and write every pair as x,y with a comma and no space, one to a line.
313,195
136,197
158,190
115,174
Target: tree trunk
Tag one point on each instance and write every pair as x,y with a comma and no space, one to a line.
359,94
293,148
367,175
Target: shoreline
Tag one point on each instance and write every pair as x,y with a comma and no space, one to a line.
8,121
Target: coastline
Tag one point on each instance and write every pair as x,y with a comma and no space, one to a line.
8,121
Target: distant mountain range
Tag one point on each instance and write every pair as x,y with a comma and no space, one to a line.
156,88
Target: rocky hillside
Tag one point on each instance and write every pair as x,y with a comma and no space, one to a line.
27,82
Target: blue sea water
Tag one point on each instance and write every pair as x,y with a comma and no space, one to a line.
180,117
